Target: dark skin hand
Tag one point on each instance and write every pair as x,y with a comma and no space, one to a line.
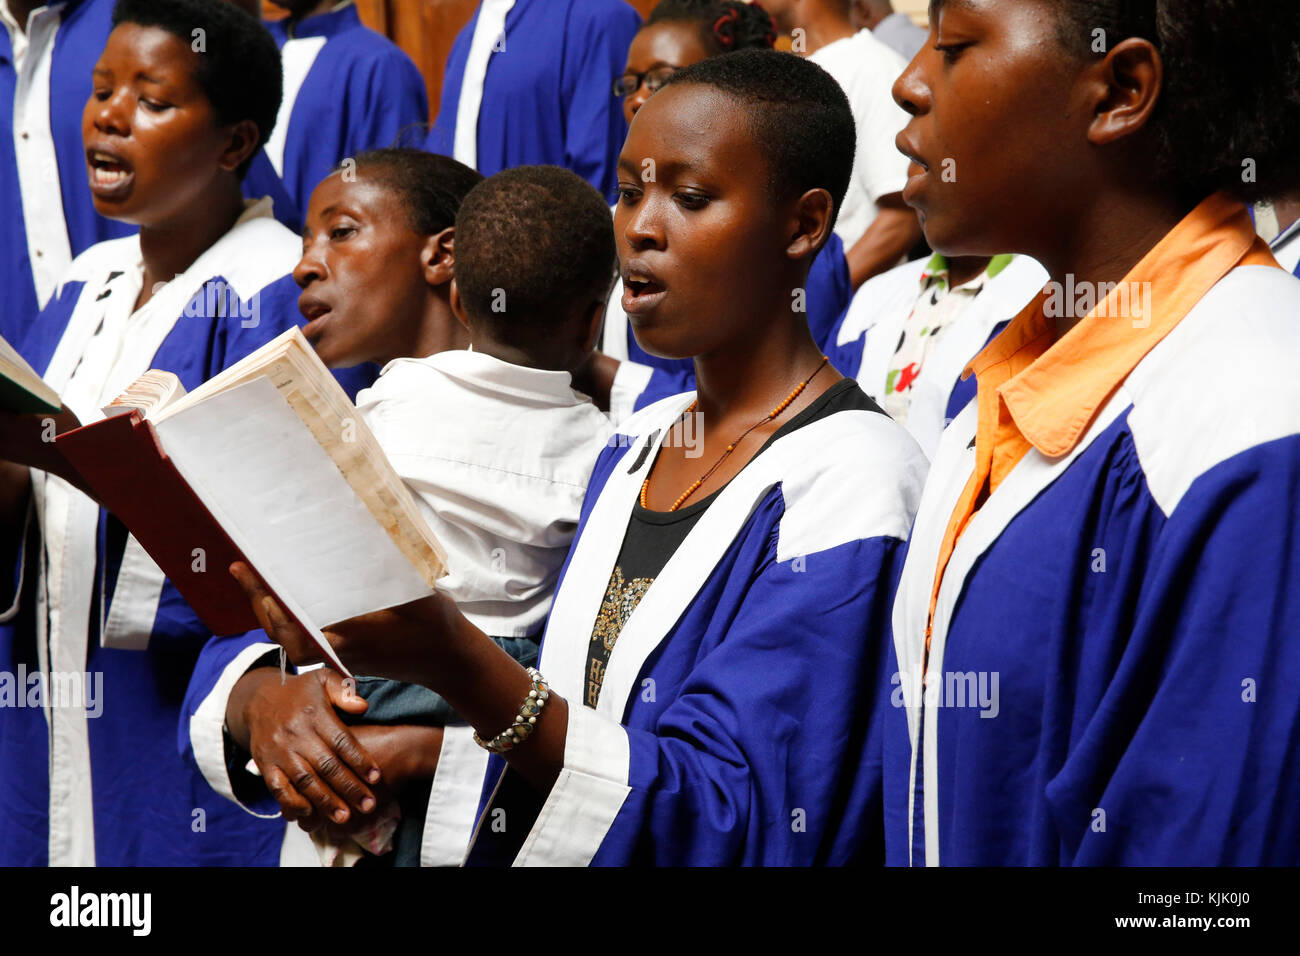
429,642
27,440
403,752
705,217
320,770
24,439
311,761
15,489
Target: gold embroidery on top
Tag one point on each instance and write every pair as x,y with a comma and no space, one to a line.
621,599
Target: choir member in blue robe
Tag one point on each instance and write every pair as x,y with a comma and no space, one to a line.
677,34
1096,627
711,667
42,160
528,83
347,89
90,770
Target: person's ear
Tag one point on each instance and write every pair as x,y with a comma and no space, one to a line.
242,143
1127,87
595,321
438,257
457,307
811,224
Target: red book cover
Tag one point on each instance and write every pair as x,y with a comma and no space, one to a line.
122,461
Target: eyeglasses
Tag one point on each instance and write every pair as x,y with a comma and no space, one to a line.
629,83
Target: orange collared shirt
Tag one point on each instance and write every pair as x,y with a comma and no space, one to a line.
1036,392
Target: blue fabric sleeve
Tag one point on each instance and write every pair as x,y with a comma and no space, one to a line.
595,51
768,755
829,292
389,100
1188,760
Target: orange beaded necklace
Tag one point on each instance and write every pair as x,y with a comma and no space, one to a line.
645,486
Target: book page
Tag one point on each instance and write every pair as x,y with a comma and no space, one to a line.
283,502
15,368
292,366
150,393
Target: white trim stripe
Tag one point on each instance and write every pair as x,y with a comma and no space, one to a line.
452,813
488,28
297,58
134,607
48,245
587,796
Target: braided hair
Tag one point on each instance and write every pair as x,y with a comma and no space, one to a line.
725,25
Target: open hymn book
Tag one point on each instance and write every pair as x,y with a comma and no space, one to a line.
269,463
21,389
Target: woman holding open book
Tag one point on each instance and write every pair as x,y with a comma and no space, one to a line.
712,659
89,768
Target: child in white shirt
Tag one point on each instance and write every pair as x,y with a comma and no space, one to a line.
488,430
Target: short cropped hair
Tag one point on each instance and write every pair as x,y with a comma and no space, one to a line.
431,187
532,244
1229,114
799,115
238,63
725,25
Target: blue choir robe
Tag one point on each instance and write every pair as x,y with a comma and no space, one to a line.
826,297
51,216
1114,654
541,91
731,726
347,89
262,180
866,337
104,783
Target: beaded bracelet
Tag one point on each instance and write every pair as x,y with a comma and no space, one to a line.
525,720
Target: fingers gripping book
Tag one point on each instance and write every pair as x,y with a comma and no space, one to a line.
267,463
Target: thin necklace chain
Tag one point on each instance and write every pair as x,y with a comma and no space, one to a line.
695,485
